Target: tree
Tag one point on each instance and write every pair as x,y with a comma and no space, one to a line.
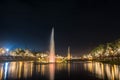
98,51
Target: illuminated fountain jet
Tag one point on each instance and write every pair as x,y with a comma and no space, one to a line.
52,48
68,56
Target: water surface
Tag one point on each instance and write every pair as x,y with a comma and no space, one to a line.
65,71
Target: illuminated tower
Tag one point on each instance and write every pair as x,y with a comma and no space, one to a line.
69,56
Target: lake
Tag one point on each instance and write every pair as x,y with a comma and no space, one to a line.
82,70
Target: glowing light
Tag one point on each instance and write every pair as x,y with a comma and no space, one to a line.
69,56
7,49
6,69
52,71
3,51
52,48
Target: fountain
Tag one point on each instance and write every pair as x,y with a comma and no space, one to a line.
52,48
69,56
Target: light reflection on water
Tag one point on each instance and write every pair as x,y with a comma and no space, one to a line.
26,70
103,71
52,71
18,70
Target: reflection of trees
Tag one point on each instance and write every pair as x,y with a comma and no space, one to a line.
1,71
103,71
16,70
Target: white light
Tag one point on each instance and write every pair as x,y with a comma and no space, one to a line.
7,49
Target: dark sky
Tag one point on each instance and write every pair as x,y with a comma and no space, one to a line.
82,24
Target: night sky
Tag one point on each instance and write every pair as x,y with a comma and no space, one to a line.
81,24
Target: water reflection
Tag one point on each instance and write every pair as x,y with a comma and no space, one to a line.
64,71
1,71
103,71
52,71
43,69
68,69
25,70
5,71
15,70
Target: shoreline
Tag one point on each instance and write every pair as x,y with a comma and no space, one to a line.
114,62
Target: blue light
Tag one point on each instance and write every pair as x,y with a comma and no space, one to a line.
6,69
